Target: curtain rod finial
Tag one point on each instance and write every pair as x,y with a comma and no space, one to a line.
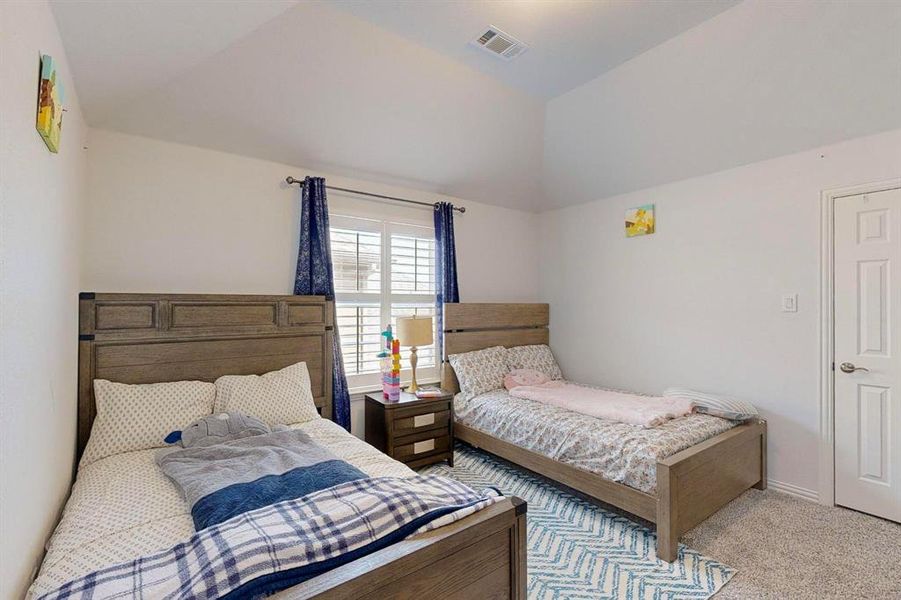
461,209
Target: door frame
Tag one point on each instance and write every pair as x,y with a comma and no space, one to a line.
827,329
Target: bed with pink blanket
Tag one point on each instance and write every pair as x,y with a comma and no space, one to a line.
617,435
646,455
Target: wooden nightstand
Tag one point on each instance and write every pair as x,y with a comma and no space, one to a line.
414,431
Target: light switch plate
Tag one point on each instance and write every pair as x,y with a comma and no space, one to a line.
790,303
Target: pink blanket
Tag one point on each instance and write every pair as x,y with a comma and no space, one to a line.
647,411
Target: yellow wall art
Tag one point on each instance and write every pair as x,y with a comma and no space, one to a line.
50,104
640,220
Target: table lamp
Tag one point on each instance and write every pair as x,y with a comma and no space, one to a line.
414,331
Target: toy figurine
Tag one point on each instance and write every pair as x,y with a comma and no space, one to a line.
389,362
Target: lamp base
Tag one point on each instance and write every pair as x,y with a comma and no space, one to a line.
413,360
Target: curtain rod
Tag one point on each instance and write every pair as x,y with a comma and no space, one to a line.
291,180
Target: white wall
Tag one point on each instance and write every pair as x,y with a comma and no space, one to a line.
41,196
165,217
757,81
698,302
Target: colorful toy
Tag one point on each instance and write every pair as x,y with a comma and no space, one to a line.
389,361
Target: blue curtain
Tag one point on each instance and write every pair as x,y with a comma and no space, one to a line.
445,266
314,277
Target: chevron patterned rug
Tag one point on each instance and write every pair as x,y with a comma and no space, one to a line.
579,550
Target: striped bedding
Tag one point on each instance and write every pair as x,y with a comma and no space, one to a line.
718,406
223,480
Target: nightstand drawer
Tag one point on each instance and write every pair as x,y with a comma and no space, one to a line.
440,442
433,419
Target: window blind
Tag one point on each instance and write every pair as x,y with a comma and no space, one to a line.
383,270
412,265
356,260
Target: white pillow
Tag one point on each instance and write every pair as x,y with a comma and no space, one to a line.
480,371
138,417
718,406
537,357
277,398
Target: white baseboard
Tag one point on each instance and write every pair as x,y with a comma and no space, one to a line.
793,490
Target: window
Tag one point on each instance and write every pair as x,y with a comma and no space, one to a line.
383,270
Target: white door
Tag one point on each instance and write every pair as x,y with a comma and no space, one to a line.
868,353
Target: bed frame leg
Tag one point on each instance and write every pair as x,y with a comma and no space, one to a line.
518,553
667,545
761,485
667,516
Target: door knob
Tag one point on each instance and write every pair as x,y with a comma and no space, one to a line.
847,367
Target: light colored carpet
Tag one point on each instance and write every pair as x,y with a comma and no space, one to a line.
785,547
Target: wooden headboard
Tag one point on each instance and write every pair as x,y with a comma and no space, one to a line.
473,326
148,338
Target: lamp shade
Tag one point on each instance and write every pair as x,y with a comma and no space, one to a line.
415,331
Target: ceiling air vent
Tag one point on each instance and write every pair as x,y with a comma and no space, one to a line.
500,44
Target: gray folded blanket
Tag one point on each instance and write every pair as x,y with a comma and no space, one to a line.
222,480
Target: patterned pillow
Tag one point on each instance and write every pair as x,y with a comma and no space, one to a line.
277,398
538,357
138,417
708,404
480,371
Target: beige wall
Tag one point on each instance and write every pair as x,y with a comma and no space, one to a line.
41,198
698,303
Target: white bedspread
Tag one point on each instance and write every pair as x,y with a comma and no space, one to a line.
123,507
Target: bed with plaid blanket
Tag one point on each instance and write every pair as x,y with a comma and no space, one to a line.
275,547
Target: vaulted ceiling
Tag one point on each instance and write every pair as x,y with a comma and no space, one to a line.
611,96
570,42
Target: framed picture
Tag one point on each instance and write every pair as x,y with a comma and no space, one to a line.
640,220
50,104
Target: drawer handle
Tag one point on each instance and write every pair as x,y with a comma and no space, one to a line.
423,446
423,420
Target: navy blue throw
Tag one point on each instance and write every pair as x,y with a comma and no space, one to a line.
239,498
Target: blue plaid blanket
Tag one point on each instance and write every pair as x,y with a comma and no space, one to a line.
272,548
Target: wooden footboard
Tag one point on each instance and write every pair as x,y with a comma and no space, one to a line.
691,485
697,482
482,556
